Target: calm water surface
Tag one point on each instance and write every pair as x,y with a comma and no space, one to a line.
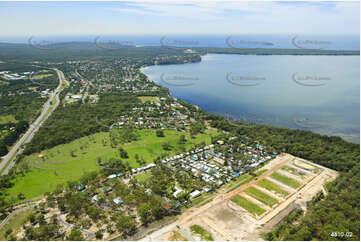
317,93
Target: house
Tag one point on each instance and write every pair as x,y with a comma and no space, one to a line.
112,176
118,201
218,160
80,187
219,183
96,198
195,194
206,189
106,189
177,192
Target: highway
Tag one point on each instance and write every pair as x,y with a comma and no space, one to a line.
8,161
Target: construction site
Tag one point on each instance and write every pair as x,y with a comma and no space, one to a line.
245,213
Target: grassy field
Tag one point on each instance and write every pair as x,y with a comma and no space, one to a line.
144,99
7,118
14,223
143,177
272,187
41,76
204,234
286,180
249,206
69,161
261,196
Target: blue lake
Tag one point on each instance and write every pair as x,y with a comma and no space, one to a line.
317,93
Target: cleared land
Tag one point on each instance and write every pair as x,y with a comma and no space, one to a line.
176,236
230,216
204,234
261,196
294,171
286,180
68,162
7,119
249,206
272,187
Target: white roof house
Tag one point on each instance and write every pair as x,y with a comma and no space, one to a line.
117,200
112,176
177,192
195,193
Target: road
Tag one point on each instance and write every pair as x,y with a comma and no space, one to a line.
48,109
13,213
89,235
193,212
88,83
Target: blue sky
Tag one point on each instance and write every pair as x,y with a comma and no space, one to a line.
178,17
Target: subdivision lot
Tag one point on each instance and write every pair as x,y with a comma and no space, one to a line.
261,196
271,186
237,215
248,205
286,180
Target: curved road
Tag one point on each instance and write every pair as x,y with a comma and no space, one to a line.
34,127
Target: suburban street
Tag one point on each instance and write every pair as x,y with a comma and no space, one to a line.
48,108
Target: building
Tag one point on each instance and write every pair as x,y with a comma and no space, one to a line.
118,201
195,194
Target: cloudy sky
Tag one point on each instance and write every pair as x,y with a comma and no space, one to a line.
178,17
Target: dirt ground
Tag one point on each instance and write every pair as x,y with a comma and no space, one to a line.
228,221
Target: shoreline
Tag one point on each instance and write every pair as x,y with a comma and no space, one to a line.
355,139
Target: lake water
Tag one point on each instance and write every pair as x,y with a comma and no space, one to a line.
317,93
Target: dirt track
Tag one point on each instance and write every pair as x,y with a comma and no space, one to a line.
225,222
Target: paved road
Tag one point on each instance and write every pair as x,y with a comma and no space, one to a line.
88,83
34,127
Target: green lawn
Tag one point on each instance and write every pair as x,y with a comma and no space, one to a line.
144,99
204,234
261,196
59,166
272,187
7,118
249,206
286,180
143,177
41,76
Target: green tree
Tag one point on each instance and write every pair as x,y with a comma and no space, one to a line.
75,235
98,235
145,212
159,133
